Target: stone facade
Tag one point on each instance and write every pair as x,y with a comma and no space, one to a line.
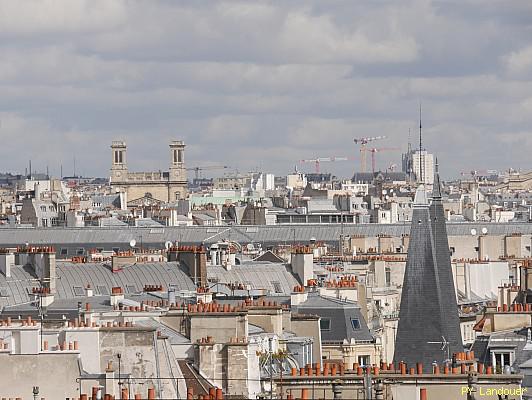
163,186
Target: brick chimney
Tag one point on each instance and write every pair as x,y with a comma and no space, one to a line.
117,295
195,260
42,260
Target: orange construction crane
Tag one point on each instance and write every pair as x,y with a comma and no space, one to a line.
197,170
380,150
363,142
317,161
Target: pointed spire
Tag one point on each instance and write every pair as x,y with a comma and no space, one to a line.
436,187
420,148
421,199
428,315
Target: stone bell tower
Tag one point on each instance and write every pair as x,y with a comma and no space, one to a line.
119,164
177,171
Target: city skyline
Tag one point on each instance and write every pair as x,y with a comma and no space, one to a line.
272,83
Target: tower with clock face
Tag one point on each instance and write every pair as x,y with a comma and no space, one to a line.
119,164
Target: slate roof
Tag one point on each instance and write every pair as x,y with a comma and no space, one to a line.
72,278
340,314
173,336
428,312
103,201
274,277
514,339
90,237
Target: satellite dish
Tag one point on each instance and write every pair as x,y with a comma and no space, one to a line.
484,230
132,243
384,191
89,211
167,245
473,232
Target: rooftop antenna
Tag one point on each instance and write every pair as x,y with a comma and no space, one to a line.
444,348
30,170
420,147
74,165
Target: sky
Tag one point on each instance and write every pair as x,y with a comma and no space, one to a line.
260,85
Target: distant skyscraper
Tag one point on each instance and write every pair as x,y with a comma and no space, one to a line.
419,167
429,327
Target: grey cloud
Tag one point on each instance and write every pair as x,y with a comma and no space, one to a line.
262,83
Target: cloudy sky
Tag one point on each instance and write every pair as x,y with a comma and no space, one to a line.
263,84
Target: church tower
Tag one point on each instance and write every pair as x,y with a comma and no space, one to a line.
119,164
429,326
177,170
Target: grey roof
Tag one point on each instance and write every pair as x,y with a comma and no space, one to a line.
428,313
258,275
173,336
147,222
111,221
340,314
513,339
103,201
92,236
73,277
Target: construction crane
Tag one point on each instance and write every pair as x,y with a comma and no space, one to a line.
317,161
363,142
198,170
379,150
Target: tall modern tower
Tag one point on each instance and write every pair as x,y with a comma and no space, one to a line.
429,327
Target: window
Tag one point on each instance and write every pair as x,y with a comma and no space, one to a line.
116,250
64,251
502,358
103,290
78,291
363,360
99,249
80,251
355,323
277,286
4,292
325,324
131,289
248,284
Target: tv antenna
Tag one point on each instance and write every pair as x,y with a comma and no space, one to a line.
444,347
